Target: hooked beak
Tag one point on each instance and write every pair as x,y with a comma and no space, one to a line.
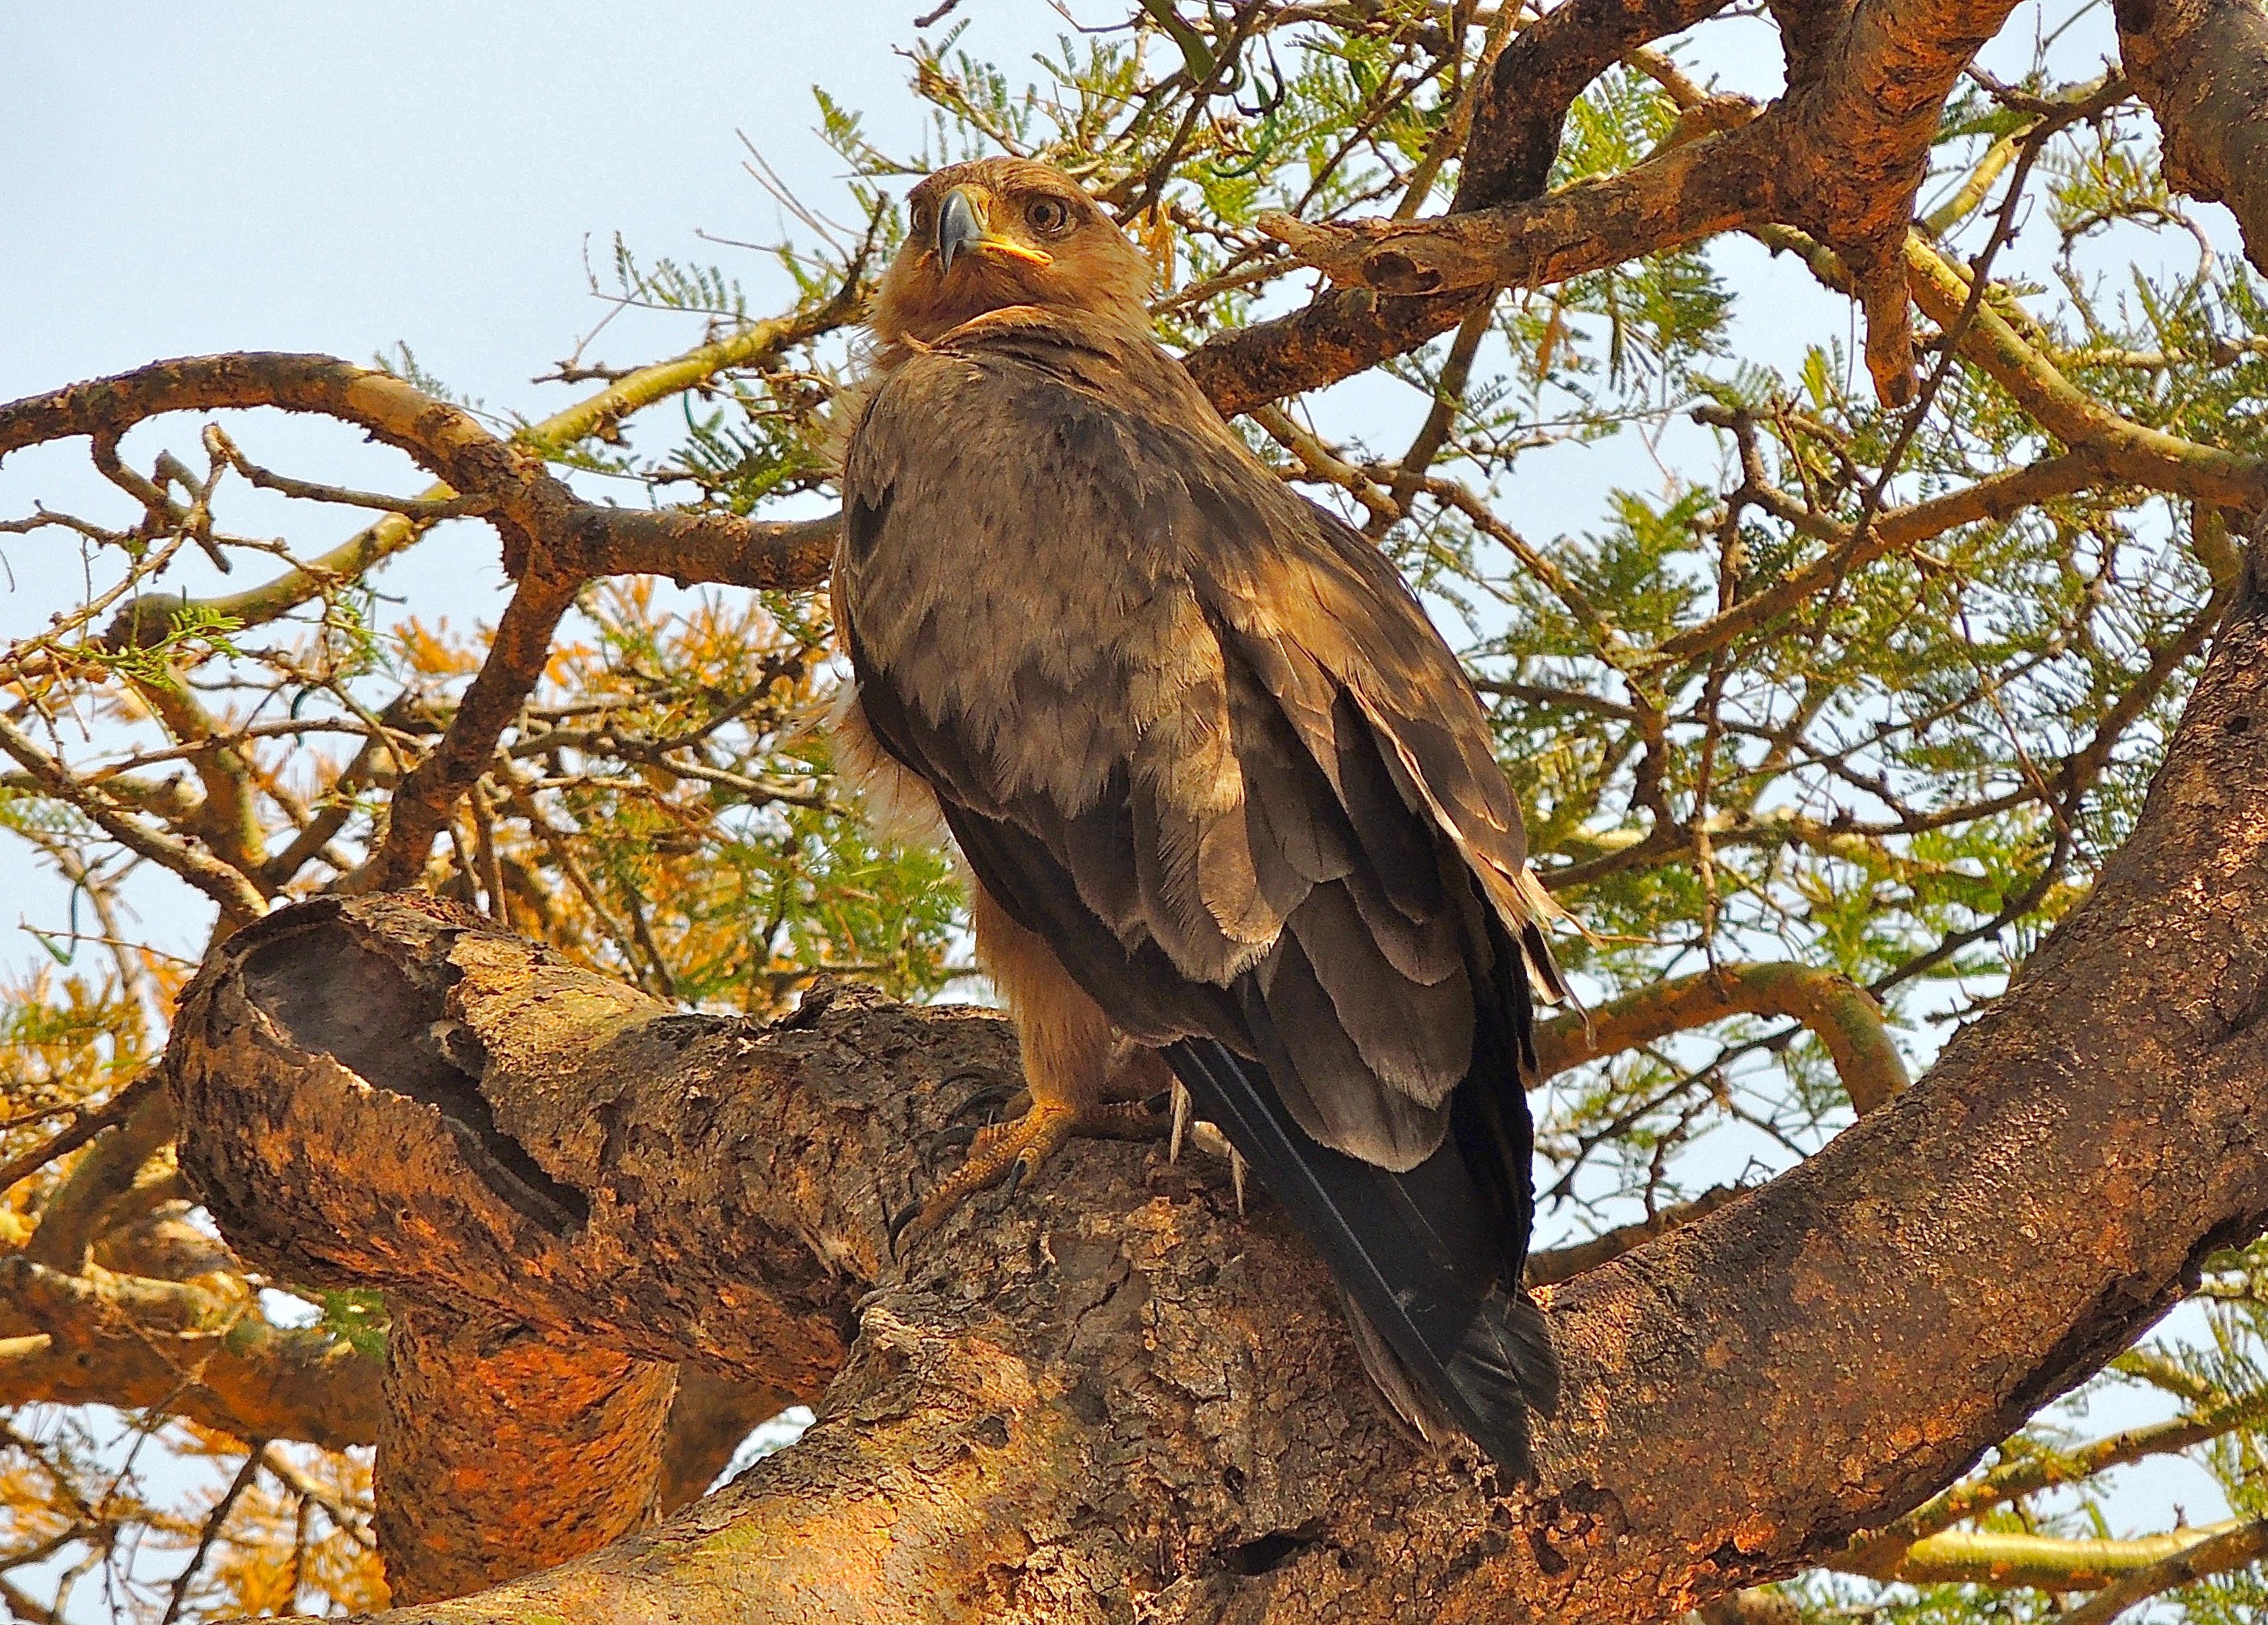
961,227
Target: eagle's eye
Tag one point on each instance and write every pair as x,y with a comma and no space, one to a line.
1048,216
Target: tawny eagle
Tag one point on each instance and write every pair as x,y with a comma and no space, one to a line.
1218,784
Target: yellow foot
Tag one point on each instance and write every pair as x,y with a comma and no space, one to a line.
1014,1150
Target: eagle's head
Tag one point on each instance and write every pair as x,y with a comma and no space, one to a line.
1004,231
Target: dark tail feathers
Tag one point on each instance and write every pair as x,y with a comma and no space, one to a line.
1438,1327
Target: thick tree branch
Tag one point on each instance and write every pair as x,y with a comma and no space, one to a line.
592,1147
1679,196
2203,66
171,1343
1342,332
679,1187
1538,76
691,547
502,1451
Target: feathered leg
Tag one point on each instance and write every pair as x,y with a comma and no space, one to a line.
1079,1085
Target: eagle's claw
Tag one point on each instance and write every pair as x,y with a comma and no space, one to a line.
959,1136
1014,1150
989,1099
895,1225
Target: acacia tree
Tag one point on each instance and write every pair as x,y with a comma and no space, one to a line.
561,1043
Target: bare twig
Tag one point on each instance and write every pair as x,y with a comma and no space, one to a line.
109,1114
206,1536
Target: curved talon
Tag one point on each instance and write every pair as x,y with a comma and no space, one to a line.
987,1099
1014,1151
895,1224
959,1136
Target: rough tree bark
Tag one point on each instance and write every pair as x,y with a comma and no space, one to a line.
593,1419
1115,1398
2203,66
